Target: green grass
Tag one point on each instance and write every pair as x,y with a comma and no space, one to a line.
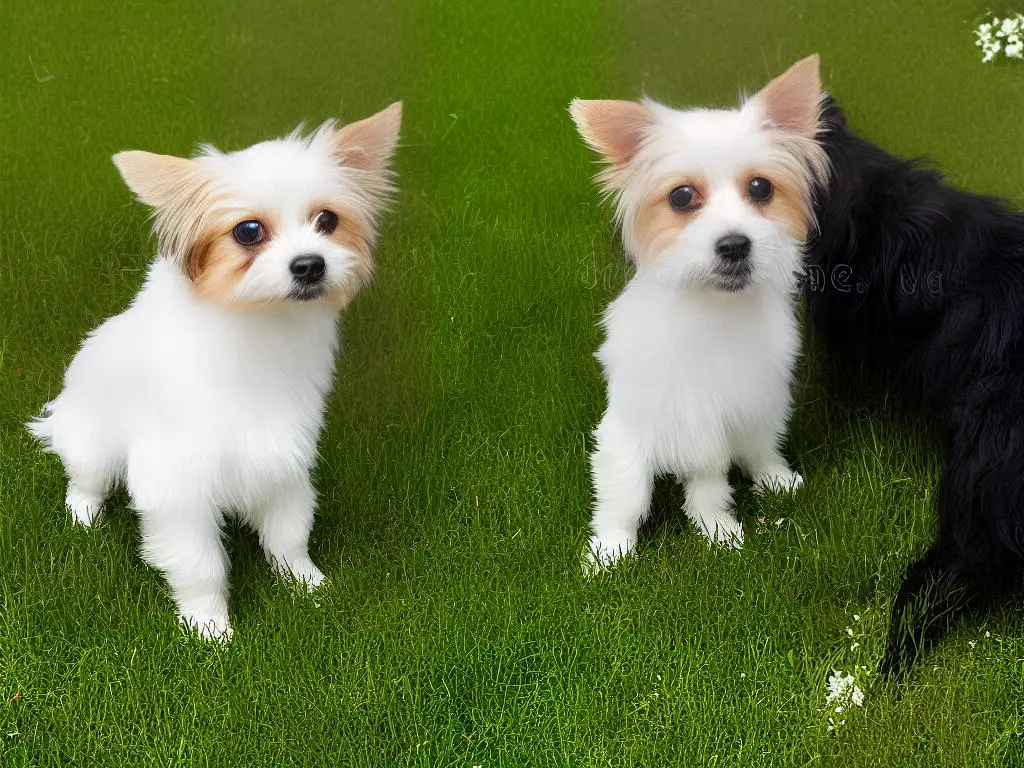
457,629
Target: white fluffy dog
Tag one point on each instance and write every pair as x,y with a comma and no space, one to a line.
700,347
207,395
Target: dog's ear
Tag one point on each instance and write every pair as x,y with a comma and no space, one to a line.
370,143
157,180
792,101
616,129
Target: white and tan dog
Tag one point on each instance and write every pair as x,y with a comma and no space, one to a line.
207,395
714,206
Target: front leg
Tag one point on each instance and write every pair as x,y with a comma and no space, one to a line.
181,537
759,457
622,496
283,522
709,506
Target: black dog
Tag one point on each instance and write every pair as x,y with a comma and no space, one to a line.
923,284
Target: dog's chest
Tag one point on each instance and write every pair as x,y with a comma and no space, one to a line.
665,356
266,400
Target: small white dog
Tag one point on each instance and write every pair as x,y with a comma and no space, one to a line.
207,395
700,347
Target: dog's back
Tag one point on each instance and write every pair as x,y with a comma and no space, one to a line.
923,284
918,280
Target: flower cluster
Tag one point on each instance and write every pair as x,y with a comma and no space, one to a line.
1006,35
843,692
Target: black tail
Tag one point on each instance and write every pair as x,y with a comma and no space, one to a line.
979,555
934,596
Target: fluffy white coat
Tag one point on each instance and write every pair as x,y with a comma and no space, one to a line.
699,352
203,405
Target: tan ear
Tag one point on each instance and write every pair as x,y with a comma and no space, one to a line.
370,143
792,101
156,180
616,129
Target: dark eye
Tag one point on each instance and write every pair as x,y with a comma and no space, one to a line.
760,189
248,232
682,197
326,222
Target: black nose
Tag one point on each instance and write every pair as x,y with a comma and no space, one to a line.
308,268
733,247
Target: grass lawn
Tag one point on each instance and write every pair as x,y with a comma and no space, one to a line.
457,629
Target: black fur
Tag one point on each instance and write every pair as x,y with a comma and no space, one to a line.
923,284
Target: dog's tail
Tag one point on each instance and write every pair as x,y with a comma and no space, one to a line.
41,426
932,599
979,555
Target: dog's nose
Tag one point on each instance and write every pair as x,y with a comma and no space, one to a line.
308,268
733,247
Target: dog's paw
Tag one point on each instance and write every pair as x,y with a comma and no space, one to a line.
208,626
604,554
84,508
303,572
779,481
722,529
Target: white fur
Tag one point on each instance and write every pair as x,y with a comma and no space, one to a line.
202,408
698,377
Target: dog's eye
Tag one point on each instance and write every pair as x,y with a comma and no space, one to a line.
326,222
760,189
682,197
248,232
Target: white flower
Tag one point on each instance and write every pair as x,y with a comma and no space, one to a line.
1001,36
856,617
832,724
849,632
843,690
854,646
857,696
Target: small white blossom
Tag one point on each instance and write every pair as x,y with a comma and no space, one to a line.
832,724
842,689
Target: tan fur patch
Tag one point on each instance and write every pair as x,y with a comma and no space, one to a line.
355,235
216,263
790,201
658,223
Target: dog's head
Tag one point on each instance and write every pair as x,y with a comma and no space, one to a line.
718,198
292,219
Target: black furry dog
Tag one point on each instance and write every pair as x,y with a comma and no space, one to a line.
923,284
